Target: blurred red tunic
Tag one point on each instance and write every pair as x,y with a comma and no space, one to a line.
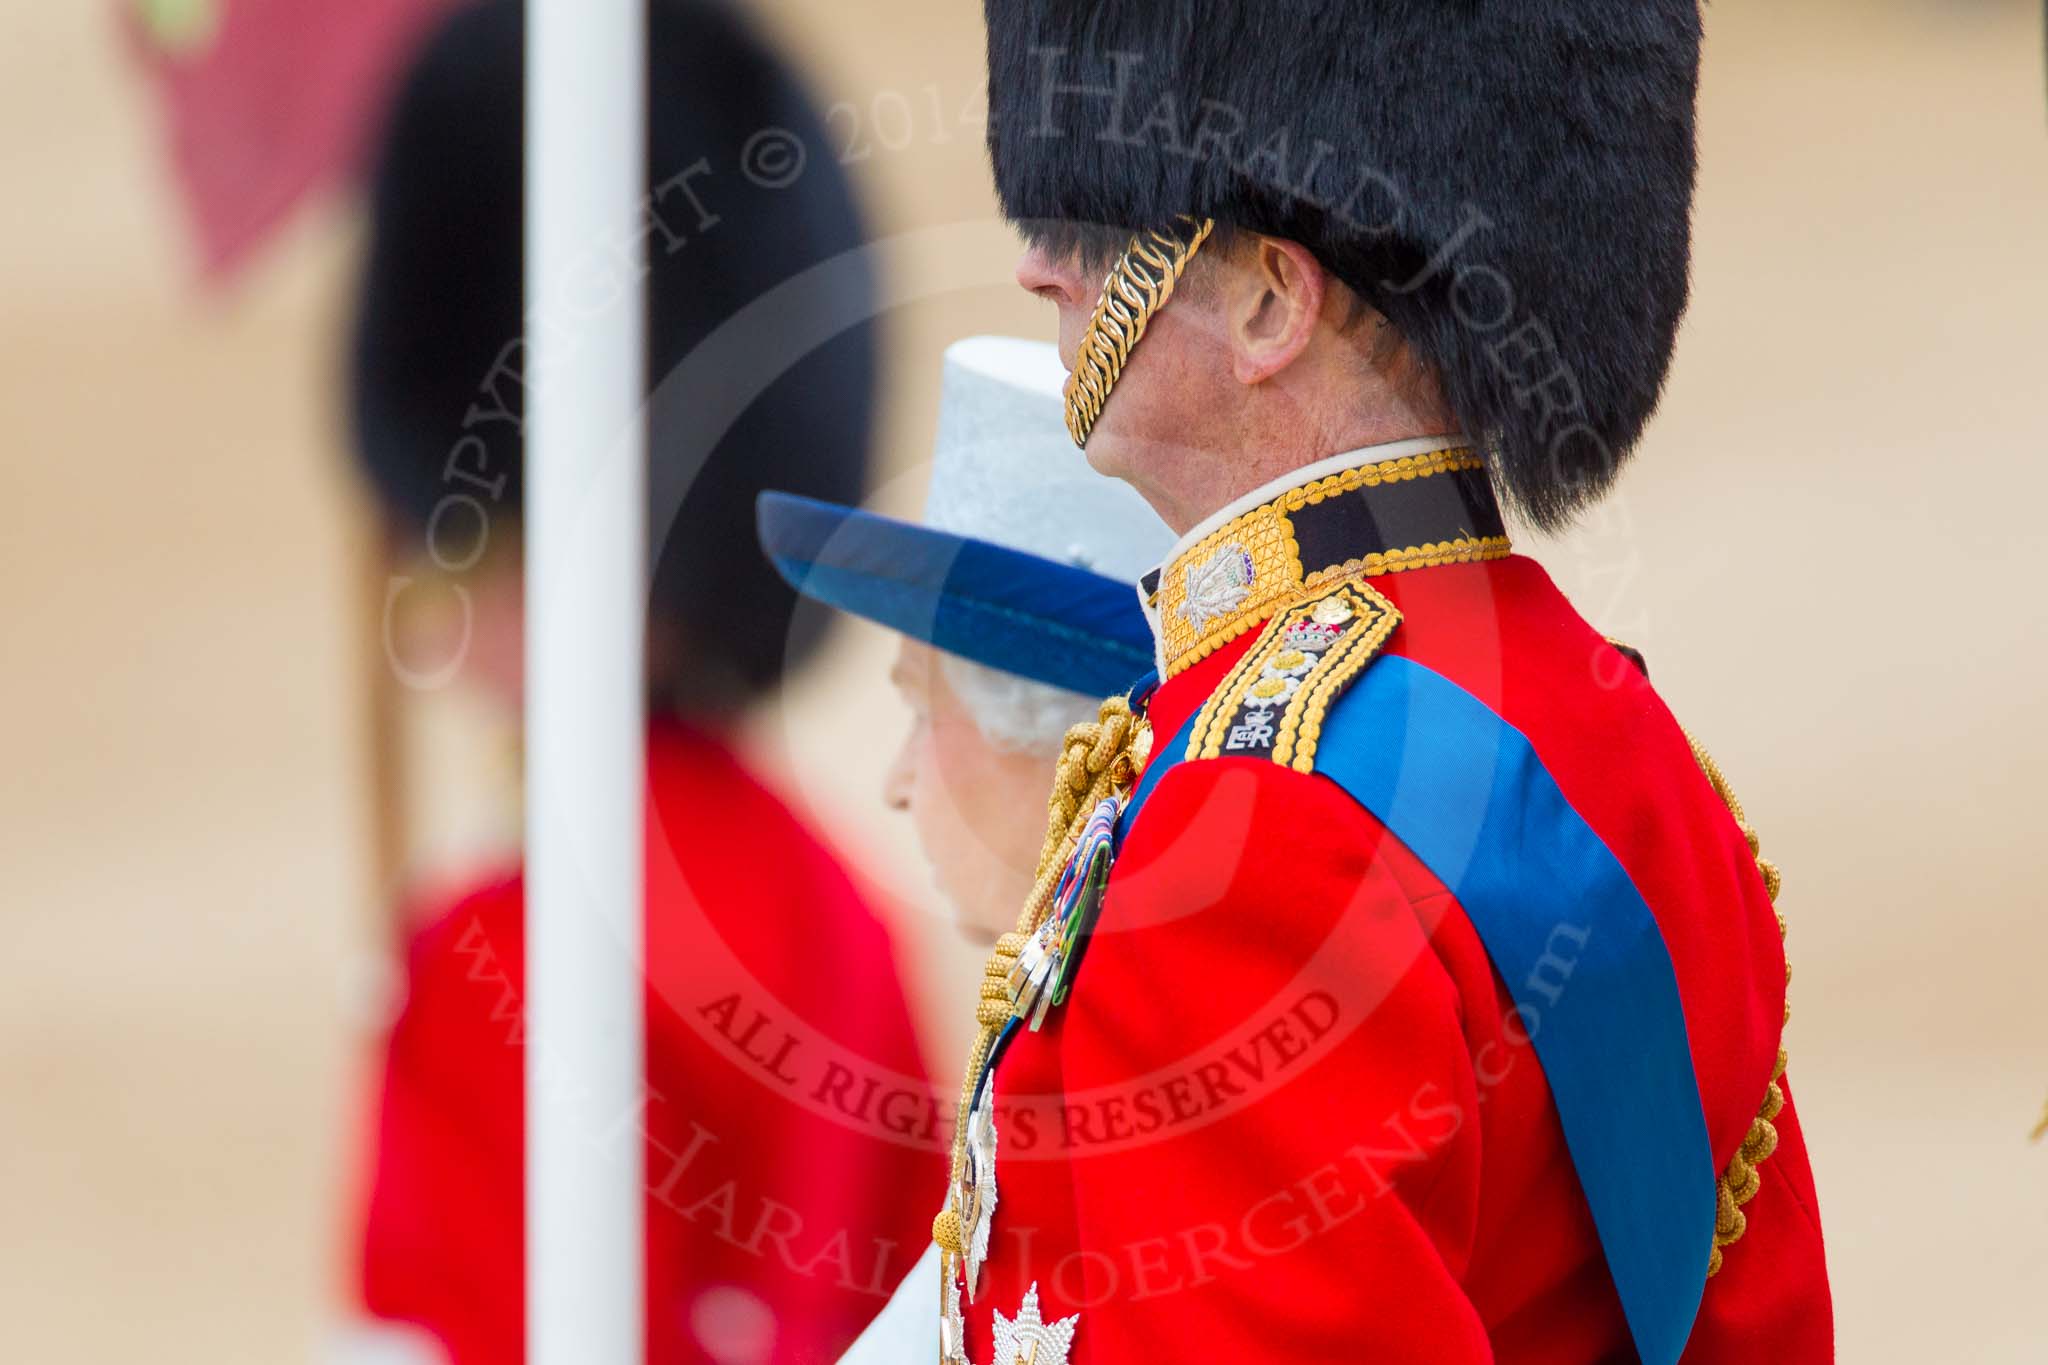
787,1113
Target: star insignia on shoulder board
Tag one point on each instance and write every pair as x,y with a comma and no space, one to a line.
1030,1340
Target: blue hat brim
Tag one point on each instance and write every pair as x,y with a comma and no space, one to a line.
1010,610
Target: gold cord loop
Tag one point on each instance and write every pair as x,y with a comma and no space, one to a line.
1097,759
1739,1183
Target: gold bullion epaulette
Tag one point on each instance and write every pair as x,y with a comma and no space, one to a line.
1272,704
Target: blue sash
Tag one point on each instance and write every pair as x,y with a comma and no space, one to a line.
1580,952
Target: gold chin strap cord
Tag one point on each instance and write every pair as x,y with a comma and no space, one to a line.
1138,285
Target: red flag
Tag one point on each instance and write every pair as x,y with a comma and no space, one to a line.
268,100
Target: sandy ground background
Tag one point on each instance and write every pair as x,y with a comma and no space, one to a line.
1830,549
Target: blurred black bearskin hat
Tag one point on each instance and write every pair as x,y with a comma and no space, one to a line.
1510,184
438,356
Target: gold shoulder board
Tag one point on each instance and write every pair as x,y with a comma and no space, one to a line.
1273,702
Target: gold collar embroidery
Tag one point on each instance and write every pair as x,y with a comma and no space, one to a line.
1414,512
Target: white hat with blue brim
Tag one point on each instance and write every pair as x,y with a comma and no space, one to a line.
1026,561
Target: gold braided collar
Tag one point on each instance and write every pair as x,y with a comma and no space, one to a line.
1415,511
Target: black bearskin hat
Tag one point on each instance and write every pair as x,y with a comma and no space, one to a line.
1510,184
437,391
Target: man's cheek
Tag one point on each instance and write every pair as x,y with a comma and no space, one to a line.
1073,324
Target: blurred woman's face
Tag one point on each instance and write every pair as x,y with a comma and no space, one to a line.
979,810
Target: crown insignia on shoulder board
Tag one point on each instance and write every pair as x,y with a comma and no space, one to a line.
1271,705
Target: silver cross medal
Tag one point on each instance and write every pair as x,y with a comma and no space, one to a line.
974,1199
952,1325
980,1210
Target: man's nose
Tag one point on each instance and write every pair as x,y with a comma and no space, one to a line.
1038,273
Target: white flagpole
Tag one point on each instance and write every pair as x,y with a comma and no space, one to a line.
585,524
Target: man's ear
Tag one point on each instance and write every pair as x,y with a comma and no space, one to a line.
1273,302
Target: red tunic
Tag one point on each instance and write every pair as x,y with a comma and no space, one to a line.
1293,1116
788,1131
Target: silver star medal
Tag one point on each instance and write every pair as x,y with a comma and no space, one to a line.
1030,1340
1218,585
981,1175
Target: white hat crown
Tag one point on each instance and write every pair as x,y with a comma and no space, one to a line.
1005,470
